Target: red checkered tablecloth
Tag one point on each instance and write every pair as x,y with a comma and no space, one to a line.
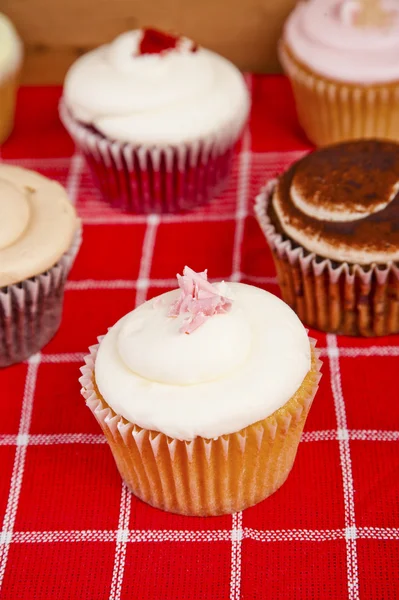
68,527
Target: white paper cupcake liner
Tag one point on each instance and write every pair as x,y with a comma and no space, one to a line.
30,311
205,476
149,179
342,298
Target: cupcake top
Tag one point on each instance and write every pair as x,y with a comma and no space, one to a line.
10,47
348,40
342,202
205,360
151,88
37,224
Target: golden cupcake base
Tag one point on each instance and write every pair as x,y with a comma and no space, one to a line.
205,477
332,111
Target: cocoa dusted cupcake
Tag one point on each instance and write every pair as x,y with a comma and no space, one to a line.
332,222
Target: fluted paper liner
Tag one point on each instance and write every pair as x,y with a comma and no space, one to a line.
150,179
344,298
30,311
205,477
332,111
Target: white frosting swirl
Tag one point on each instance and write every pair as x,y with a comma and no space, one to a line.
10,47
321,36
237,368
151,345
170,98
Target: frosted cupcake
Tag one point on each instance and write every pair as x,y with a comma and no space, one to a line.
10,65
157,119
39,239
332,222
342,59
202,394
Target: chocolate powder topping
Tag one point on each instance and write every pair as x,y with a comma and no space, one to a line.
349,174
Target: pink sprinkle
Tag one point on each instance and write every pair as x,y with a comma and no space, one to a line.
199,299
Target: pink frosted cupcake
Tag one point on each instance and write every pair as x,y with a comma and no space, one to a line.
157,119
342,57
39,237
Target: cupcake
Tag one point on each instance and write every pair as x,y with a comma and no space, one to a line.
332,223
39,238
157,119
10,65
342,59
202,394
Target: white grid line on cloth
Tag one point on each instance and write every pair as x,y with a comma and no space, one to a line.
74,175
63,357
244,170
121,540
371,351
126,497
236,550
213,535
367,435
127,284
242,198
327,435
346,467
116,219
143,282
19,462
279,156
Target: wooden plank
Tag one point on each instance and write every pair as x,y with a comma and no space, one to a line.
56,31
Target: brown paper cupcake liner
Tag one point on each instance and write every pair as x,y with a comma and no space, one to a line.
148,179
344,298
332,111
30,311
8,92
205,477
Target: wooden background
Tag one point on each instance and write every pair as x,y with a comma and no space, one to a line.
55,32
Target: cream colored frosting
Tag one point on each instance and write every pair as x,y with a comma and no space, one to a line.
10,47
235,369
37,224
324,36
171,98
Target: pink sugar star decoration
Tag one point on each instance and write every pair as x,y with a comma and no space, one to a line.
199,299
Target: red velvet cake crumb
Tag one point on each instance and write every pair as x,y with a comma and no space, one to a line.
157,42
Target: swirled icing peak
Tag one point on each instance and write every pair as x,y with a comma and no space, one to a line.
199,299
154,41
